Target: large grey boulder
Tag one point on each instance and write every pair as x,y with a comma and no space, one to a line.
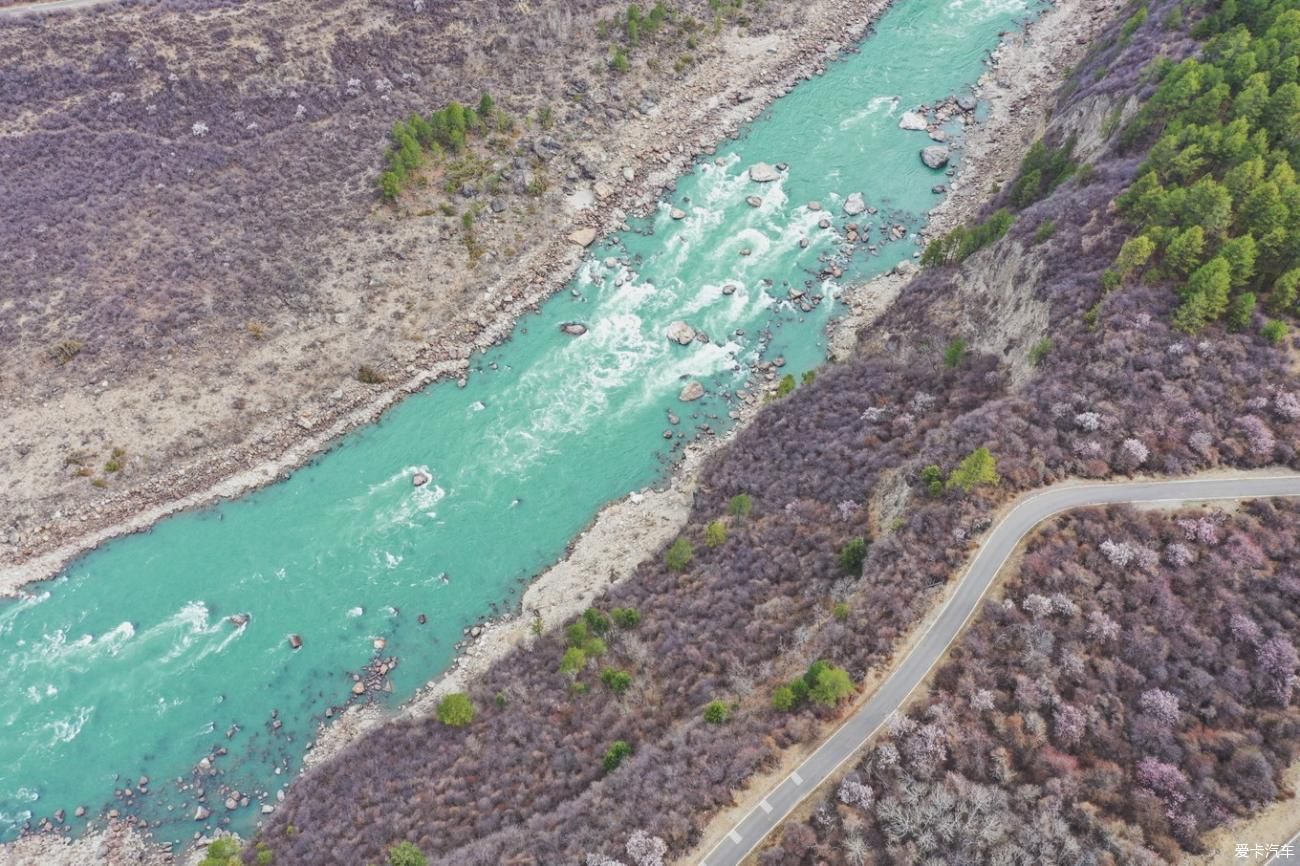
761,172
934,156
680,333
912,120
855,204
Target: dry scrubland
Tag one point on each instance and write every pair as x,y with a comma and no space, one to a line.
194,258
1177,719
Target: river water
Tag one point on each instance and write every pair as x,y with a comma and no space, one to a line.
127,664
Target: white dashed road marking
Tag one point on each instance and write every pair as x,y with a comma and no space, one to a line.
798,780
765,806
735,837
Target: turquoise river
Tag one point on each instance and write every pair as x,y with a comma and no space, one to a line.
127,664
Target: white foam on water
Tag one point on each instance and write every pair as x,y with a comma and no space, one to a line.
66,730
729,248
877,105
113,641
354,612
182,629
982,10
13,610
419,502
477,406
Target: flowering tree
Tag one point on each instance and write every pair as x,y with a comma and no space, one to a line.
646,850
855,793
1160,705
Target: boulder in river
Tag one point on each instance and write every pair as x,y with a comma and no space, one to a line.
680,333
754,200
934,156
855,204
693,391
419,479
761,172
202,814
966,102
574,329
583,237
295,641
912,120
238,620
677,213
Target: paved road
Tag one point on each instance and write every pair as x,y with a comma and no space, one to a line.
1292,855
842,745
51,6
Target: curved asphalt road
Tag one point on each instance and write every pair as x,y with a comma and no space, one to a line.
842,745
1288,853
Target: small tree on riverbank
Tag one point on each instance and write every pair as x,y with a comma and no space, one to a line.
456,710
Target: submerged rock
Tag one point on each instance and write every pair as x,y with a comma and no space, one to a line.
934,156
574,329
855,204
680,333
761,172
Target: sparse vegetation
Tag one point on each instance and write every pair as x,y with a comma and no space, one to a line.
456,710
715,534
1040,350
65,350
1042,170
740,505
954,353
853,554
679,555
977,469
369,375
964,241
717,712
614,755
